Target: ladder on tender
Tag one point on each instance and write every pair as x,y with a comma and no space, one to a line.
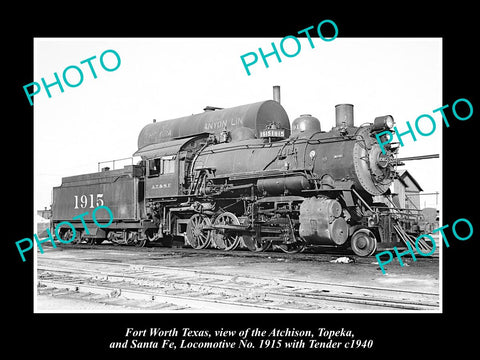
406,238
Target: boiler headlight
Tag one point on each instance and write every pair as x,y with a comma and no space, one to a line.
389,122
383,123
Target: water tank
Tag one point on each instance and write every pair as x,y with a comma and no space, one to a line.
306,123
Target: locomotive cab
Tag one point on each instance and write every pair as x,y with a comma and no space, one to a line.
161,175
168,165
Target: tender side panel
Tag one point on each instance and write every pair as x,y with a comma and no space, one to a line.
121,195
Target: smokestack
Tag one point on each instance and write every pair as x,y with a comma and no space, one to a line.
344,114
276,93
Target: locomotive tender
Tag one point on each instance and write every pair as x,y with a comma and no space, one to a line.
243,176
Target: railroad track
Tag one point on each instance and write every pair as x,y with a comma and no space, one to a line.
170,288
313,253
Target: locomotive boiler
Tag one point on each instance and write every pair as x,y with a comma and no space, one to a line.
244,176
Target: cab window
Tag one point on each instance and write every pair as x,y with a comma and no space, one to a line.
168,166
153,167
160,166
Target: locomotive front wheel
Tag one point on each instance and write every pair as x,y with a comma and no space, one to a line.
197,236
363,242
226,239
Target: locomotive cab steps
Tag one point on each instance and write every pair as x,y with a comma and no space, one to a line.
410,240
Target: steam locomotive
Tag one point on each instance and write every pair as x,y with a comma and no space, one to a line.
243,176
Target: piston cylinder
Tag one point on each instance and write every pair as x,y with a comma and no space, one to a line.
321,222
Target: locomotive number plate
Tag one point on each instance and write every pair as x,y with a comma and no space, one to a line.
272,133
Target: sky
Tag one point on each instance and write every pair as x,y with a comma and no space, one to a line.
166,78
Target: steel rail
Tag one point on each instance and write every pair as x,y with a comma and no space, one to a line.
273,290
